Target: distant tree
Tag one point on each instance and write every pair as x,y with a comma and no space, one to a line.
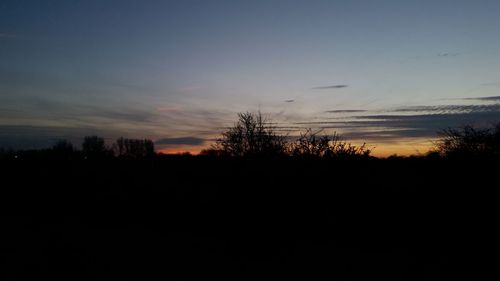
63,146
311,144
93,146
469,141
495,139
62,149
252,135
4,153
119,147
134,148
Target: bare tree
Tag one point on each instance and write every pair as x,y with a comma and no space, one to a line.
251,135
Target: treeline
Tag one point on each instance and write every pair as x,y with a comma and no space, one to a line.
93,147
252,136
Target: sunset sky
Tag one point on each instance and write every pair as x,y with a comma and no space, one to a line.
390,73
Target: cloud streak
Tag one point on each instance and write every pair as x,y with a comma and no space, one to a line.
422,122
491,98
384,127
446,54
180,141
43,108
440,109
346,111
339,86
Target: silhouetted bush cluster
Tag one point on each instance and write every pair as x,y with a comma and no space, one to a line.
252,135
468,141
311,144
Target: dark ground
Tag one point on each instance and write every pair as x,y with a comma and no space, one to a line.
197,218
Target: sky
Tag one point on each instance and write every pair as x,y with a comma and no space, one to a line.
390,73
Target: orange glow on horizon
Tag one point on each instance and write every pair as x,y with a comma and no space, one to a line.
402,147
405,147
180,149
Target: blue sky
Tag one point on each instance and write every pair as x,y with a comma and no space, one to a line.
178,71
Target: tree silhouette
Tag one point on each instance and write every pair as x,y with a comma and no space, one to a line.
495,139
63,146
94,147
134,148
62,149
251,135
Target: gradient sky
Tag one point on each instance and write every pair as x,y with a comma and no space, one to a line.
391,73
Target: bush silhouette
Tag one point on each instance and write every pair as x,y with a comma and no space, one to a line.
469,141
311,144
252,135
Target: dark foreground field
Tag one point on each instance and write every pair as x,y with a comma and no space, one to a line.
193,218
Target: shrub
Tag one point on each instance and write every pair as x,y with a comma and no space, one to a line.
469,141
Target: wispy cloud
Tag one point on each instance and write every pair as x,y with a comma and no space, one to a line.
404,126
346,111
66,112
126,115
447,54
387,135
408,122
491,98
102,119
339,86
445,109
180,141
